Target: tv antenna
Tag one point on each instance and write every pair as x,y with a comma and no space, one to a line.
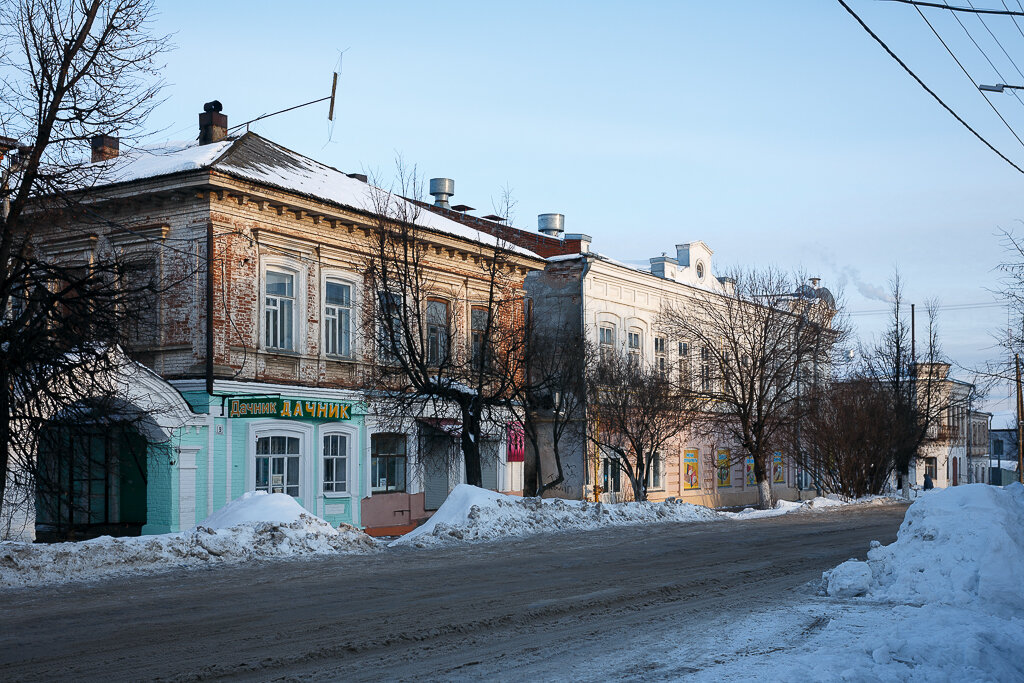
330,110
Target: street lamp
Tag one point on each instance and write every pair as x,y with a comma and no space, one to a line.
999,87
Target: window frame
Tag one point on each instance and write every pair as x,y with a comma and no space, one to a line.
290,267
351,440
341,278
443,343
479,353
258,429
404,458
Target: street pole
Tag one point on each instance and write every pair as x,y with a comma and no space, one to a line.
1020,427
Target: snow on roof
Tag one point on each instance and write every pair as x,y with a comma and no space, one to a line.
257,159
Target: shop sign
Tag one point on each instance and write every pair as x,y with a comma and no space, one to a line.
287,409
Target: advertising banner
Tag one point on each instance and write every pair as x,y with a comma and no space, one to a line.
691,470
751,477
286,409
724,469
778,472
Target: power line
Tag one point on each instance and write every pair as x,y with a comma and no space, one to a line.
926,88
968,75
985,24
953,8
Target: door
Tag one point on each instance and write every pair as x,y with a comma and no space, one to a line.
435,448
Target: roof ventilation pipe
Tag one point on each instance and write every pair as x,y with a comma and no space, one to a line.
442,189
551,224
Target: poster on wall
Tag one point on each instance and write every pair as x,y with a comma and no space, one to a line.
515,450
724,471
691,470
778,473
751,478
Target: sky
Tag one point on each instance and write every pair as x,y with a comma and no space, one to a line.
779,133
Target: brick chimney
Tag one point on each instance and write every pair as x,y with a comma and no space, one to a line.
104,147
213,126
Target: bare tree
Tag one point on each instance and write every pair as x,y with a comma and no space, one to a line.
551,401
635,408
73,70
913,379
759,346
433,360
847,436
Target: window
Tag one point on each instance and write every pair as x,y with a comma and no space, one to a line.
335,455
931,467
479,319
705,369
659,354
607,339
387,463
684,349
611,477
659,345
437,332
279,309
654,473
700,270
390,331
635,345
337,318
277,464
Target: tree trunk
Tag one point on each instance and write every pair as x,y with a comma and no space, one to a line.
470,441
531,469
764,485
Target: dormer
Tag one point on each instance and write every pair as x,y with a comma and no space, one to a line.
695,262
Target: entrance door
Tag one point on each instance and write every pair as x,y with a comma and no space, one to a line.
435,448
956,478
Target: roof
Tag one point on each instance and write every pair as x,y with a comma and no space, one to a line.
254,158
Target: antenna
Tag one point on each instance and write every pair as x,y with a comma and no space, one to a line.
330,113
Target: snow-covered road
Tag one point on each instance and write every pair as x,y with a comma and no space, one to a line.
654,602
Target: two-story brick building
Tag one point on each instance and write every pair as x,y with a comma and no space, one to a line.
257,349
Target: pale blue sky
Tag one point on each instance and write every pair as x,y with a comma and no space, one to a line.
777,132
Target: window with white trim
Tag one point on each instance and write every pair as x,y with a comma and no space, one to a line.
337,318
391,334
634,341
335,458
279,310
606,339
660,359
277,464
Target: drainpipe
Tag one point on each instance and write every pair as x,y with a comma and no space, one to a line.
209,308
586,419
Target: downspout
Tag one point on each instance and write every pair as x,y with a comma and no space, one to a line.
209,308
586,420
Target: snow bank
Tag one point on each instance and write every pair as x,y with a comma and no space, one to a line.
256,506
959,546
254,527
474,514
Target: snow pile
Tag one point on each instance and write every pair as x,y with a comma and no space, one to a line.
254,527
961,546
474,514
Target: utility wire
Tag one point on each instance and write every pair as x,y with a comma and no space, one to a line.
1002,79
1014,19
926,88
974,83
952,8
985,24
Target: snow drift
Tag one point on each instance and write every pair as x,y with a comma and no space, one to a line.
958,546
256,526
474,514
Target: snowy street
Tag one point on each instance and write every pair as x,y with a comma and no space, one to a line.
658,602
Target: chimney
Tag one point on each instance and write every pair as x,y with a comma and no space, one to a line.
815,281
20,158
104,147
551,224
442,189
213,126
